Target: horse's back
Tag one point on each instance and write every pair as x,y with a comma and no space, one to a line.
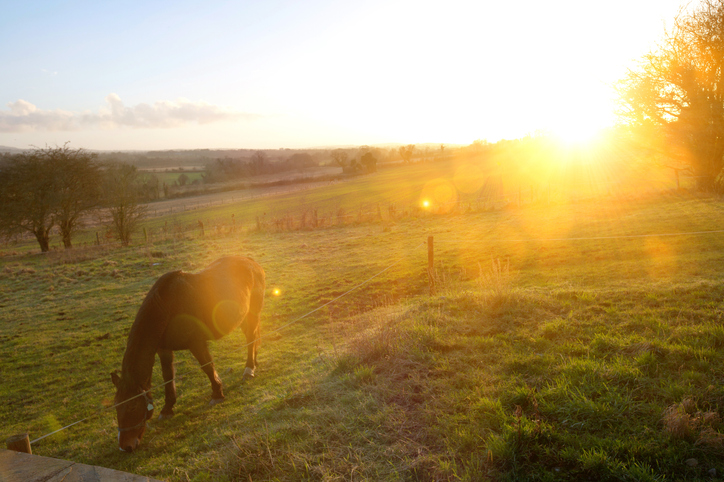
211,303
232,272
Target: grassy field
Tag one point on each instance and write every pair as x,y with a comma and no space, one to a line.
566,340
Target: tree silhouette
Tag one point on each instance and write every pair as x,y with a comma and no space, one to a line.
122,187
339,157
675,97
47,187
78,185
27,196
258,162
406,152
369,161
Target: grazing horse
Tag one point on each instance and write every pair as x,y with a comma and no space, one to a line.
182,311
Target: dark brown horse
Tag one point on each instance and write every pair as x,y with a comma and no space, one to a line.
182,311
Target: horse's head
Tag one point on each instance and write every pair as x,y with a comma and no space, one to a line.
134,406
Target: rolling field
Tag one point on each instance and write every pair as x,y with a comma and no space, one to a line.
565,341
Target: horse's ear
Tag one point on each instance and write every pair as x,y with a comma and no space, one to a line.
116,379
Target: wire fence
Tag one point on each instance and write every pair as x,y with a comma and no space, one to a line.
244,346
377,214
441,239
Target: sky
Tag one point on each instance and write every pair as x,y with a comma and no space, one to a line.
144,75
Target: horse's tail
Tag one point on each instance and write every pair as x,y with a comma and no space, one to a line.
252,328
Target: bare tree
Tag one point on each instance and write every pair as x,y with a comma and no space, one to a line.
27,196
78,183
339,157
258,162
406,152
674,99
123,190
47,187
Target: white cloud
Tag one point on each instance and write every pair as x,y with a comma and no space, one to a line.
24,116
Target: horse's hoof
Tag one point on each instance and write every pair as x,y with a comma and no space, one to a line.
165,416
248,373
215,401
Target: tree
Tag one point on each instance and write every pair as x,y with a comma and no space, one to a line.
675,97
123,189
258,162
339,157
300,160
78,181
151,187
369,161
27,196
183,179
47,187
406,152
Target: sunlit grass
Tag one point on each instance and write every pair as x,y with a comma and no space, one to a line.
563,343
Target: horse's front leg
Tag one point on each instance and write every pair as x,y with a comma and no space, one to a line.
169,373
200,351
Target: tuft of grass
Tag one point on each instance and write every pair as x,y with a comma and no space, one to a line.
496,281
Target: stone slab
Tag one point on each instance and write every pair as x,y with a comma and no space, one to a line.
20,467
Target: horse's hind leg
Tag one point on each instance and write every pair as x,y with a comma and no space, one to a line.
252,332
251,329
169,373
200,351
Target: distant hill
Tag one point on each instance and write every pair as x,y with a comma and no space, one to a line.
10,150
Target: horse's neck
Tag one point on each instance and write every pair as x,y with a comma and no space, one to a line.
140,353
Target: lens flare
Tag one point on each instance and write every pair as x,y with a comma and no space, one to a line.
276,292
441,193
226,315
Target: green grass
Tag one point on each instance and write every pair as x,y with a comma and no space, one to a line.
538,358
169,178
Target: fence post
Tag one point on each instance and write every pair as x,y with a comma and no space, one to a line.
430,265
19,443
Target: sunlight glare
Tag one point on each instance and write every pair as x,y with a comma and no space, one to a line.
582,117
576,133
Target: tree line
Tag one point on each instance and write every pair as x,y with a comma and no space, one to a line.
63,187
226,168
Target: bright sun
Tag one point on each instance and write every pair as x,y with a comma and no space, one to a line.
582,119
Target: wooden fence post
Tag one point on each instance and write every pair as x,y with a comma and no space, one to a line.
430,265
19,443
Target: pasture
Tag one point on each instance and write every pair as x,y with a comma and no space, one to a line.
570,337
